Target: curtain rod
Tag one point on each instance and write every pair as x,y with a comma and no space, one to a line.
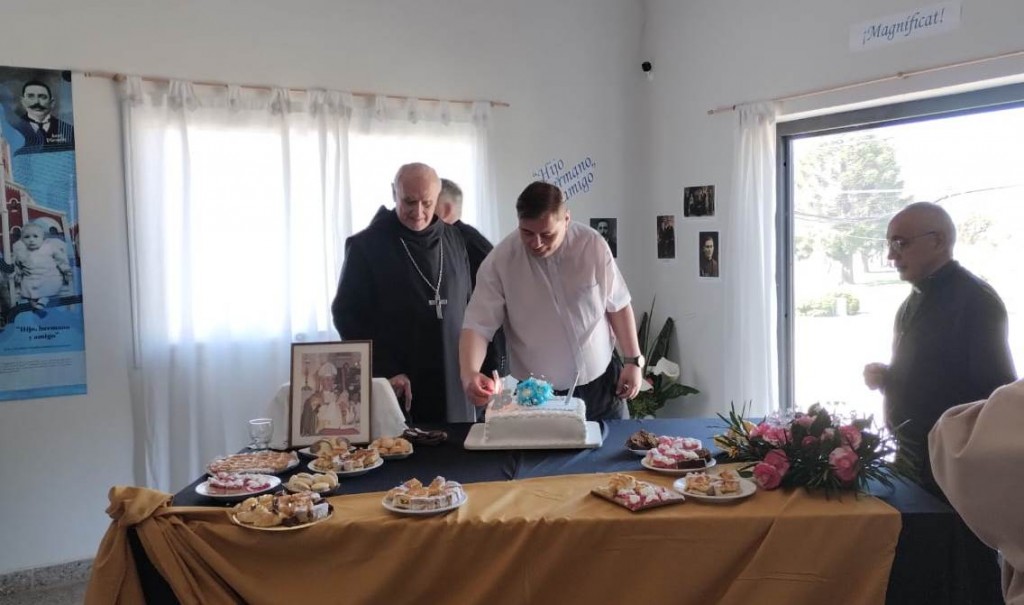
120,77
901,75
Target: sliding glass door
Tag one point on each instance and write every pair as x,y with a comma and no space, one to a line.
842,178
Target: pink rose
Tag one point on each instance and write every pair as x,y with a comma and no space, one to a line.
809,442
844,463
776,435
779,460
805,421
767,476
851,435
758,430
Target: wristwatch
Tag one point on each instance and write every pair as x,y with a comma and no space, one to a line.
638,361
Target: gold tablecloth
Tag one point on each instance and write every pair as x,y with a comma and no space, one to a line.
543,540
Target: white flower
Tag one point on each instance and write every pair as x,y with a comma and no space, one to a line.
666,368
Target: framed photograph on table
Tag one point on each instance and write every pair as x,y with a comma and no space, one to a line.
330,392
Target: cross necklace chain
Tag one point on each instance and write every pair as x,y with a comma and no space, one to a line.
437,302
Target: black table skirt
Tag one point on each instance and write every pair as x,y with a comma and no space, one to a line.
936,558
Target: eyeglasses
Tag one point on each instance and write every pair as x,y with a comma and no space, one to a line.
899,244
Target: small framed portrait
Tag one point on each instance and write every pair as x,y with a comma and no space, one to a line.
699,201
707,265
666,236
330,392
608,228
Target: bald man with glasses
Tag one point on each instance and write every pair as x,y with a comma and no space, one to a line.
950,337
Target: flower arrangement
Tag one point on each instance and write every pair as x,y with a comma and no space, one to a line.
661,376
533,392
814,450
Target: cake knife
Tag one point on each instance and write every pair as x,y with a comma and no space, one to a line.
568,394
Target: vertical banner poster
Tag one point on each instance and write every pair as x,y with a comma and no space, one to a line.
42,338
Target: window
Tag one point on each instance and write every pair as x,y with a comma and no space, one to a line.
843,177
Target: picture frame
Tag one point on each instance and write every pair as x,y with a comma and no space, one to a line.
330,391
699,201
707,255
609,230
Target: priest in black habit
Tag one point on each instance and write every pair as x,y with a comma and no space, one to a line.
404,285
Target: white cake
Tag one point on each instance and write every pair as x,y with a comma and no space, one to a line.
556,422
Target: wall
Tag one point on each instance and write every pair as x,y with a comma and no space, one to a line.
566,68
710,54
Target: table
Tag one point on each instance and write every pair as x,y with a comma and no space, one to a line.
929,564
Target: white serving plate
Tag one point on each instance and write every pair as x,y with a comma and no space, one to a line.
747,489
355,473
677,471
203,489
475,441
424,513
330,513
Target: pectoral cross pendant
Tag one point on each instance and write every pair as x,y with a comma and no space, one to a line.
437,302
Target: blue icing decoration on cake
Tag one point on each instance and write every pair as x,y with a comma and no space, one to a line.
534,392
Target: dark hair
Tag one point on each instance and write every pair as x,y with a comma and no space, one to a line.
36,83
539,198
449,188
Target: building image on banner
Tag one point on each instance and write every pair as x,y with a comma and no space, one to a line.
42,344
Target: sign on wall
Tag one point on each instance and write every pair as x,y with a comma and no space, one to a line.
42,338
572,179
908,25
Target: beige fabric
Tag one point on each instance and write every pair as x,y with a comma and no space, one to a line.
977,453
541,540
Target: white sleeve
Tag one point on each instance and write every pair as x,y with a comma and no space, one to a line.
486,310
976,452
616,292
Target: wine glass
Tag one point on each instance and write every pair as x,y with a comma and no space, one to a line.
260,432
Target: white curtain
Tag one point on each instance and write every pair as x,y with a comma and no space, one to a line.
749,268
239,203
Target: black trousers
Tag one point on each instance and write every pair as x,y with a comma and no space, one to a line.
599,394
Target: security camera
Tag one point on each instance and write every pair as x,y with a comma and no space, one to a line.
646,66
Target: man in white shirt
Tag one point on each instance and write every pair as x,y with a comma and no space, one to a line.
555,288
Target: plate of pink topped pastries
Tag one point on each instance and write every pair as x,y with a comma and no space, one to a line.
634,494
677,456
234,486
726,486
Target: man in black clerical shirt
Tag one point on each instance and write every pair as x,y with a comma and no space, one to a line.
950,338
949,347
404,285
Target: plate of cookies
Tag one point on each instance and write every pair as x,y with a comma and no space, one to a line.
320,483
726,486
392,448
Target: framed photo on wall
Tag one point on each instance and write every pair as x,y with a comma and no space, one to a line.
666,234
330,392
699,201
609,230
707,242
